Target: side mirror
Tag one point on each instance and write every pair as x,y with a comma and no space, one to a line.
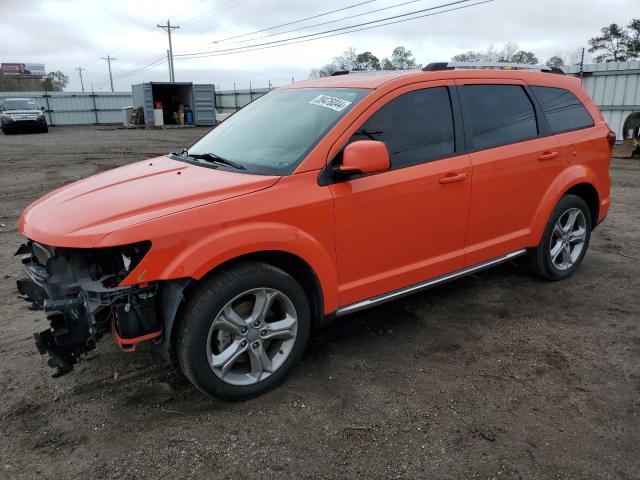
365,156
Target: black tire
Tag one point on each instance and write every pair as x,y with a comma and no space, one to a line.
44,128
204,305
540,259
6,131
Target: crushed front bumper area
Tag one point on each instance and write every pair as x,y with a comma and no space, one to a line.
80,293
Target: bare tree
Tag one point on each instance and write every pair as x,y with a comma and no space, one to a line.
347,61
470,56
508,51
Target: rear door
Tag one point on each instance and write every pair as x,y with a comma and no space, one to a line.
514,161
408,224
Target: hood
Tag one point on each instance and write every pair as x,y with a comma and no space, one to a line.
82,213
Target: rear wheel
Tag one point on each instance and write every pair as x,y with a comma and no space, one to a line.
243,331
564,241
44,128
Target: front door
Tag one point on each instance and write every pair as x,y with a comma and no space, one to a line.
408,224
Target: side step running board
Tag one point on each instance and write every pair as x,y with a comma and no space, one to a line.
385,297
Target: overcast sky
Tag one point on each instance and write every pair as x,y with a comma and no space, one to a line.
65,34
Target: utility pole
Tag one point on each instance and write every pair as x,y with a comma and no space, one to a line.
168,27
79,69
109,59
582,66
170,67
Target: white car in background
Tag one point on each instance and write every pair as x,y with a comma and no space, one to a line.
20,114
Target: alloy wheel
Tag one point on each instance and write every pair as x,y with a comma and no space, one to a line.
568,239
252,336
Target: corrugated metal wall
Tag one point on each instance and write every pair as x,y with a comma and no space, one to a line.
77,108
228,101
614,87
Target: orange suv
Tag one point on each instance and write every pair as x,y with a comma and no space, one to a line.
317,200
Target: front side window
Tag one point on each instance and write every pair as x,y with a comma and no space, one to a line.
500,115
416,127
273,134
563,110
17,104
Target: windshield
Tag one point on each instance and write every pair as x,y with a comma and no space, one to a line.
20,105
274,133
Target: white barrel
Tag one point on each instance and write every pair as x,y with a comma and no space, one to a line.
158,117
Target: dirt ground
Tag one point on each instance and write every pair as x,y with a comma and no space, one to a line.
497,375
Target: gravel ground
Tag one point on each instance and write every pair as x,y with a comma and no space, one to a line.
497,375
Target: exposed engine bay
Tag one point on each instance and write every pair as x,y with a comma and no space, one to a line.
80,293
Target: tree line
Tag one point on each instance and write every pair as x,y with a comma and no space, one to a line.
53,81
400,59
615,43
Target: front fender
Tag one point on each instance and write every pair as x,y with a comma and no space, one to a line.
195,260
571,176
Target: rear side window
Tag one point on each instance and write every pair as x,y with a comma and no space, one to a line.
563,110
500,115
416,127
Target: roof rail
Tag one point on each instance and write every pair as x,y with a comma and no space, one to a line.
340,72
438,66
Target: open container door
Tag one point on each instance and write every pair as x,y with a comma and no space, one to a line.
143,97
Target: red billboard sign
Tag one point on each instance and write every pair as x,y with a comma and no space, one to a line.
23,69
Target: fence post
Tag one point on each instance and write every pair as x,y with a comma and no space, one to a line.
48,107
250,93
269,85
235,96
95,106
215,103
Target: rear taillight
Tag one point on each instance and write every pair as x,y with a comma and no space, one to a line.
611,138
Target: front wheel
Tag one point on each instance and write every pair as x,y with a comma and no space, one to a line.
564,241
243,330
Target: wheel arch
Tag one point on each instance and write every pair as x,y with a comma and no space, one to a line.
589,194
292,264
577,180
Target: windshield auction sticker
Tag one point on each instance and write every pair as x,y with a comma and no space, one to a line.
333,103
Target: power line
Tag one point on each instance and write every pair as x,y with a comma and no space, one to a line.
150,66
168,27
109,59
366,26
351,31
147,61
329,21
224,8
158,60
295,21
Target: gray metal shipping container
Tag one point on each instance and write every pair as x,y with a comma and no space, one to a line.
199,97
614,87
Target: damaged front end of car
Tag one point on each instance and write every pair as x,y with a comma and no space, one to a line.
80,291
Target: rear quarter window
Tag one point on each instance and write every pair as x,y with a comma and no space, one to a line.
563,110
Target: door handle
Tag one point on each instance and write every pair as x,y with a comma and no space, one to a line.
456,177
548,155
